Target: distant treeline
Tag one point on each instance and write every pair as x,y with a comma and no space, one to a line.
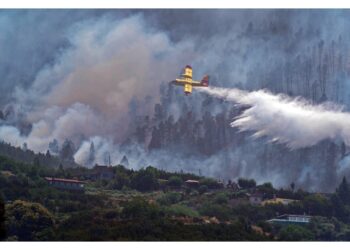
28,156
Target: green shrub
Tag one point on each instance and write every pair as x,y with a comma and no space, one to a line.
144,180
202,189
181,210
246,183
219,211
221,198
175,181
140,208
170,198
29,221
295,233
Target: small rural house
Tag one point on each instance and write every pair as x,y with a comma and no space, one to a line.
68,184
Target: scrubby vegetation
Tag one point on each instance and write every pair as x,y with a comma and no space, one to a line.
152,204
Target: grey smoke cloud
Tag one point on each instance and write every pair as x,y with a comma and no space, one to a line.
109,61
87,91
74,122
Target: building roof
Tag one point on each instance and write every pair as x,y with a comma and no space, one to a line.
63,180
294,215
291,218
192,181
279,200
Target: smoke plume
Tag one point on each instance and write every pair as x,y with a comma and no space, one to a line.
99,79
88,89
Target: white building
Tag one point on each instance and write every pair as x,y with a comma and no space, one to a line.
291,219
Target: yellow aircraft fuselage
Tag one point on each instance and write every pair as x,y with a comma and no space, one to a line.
187,81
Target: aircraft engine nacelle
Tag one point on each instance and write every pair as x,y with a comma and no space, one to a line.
188,89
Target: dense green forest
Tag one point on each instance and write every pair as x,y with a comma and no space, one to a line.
152,204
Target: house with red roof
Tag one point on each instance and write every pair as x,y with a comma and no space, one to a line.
68,184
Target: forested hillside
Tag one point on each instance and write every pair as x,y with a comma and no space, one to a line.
156,205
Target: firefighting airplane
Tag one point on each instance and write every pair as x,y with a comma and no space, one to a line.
187,81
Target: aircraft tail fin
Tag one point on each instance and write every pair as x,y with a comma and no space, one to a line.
205,80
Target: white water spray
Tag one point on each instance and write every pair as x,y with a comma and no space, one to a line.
292,121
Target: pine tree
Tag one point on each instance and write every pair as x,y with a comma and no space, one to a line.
292,186
67,150
343,191
54,147
124,161
91,159
48,154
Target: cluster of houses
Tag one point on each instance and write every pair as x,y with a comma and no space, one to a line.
100,173
97,173
258,199
255,198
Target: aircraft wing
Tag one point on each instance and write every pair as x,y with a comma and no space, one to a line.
187,81
185,77
196,84
203,83
178,82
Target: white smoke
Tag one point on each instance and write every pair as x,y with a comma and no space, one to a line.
85,93
104,152
75,122
292,121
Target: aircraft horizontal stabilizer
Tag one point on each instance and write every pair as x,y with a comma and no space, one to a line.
205,80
